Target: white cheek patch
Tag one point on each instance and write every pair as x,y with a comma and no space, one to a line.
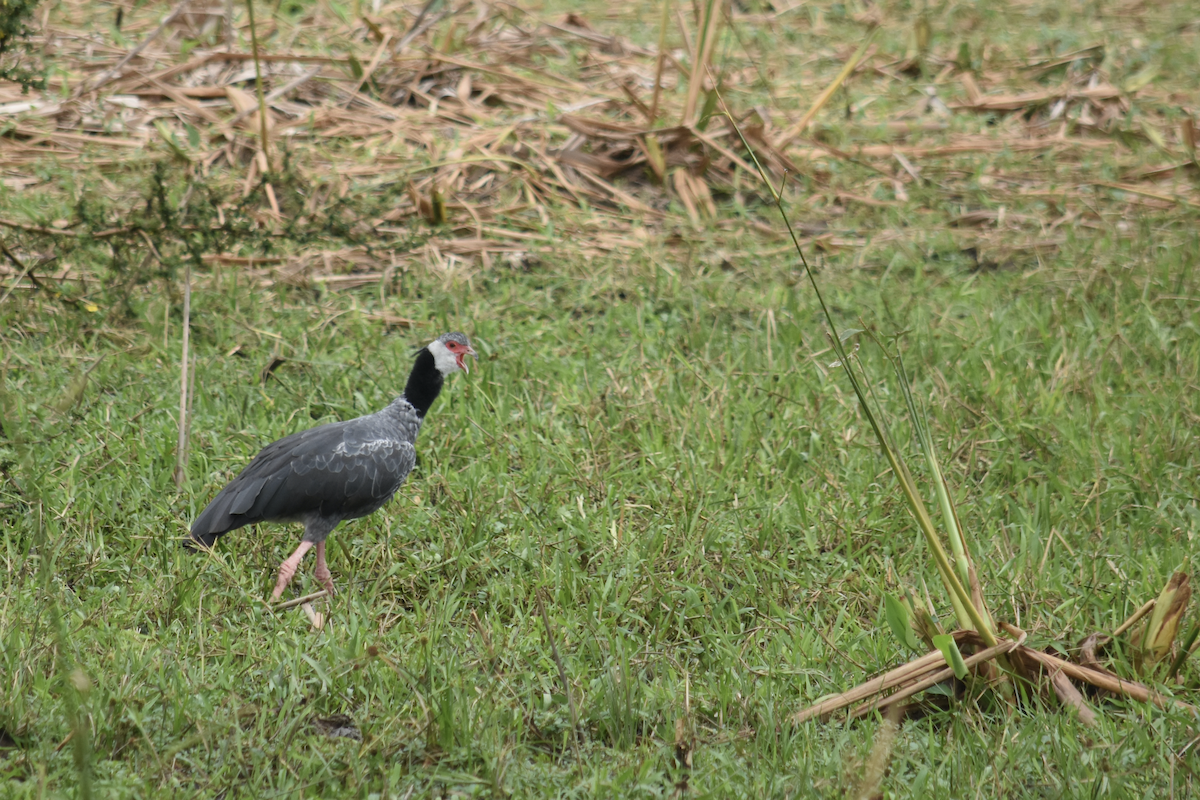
443,359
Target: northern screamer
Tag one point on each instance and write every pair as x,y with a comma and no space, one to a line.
335,472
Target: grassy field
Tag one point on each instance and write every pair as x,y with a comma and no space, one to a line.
654,445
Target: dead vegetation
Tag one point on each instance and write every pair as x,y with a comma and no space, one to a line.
1052,675
490,116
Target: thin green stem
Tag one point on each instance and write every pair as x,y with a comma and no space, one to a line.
915,504
258,86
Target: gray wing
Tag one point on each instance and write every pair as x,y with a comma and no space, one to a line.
343,470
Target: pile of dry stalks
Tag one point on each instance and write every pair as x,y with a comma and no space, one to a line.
976,667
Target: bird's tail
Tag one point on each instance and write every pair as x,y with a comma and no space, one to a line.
205,531
200,541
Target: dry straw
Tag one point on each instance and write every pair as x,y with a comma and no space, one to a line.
629,131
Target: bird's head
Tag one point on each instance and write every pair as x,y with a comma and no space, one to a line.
449,351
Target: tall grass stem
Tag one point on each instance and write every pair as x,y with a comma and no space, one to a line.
258,88
912,497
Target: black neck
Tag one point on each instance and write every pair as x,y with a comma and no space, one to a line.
424,383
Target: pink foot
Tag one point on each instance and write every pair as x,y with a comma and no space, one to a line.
288,568
321,573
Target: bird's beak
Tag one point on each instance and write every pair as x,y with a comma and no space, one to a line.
462,359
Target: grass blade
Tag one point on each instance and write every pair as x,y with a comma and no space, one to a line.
791,133
912,497
258,87
1185,649
184,383
705,42
658,66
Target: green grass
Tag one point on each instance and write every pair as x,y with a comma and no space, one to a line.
653,442
698,501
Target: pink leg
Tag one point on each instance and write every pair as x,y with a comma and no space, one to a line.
288,568
322,571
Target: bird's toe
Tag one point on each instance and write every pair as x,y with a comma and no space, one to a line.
325,579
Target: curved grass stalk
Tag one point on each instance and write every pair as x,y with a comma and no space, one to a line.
264,132
916,505
958,542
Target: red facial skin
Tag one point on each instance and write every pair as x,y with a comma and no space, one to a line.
461,351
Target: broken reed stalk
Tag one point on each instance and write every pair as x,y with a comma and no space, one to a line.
1069,696
315,618
1135,617
1104,680
299,601
258,87
927,671
184,383
918,670
933,679
887,680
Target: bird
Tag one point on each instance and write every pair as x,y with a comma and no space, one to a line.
336,472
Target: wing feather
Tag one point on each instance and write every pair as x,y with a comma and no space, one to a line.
342,470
